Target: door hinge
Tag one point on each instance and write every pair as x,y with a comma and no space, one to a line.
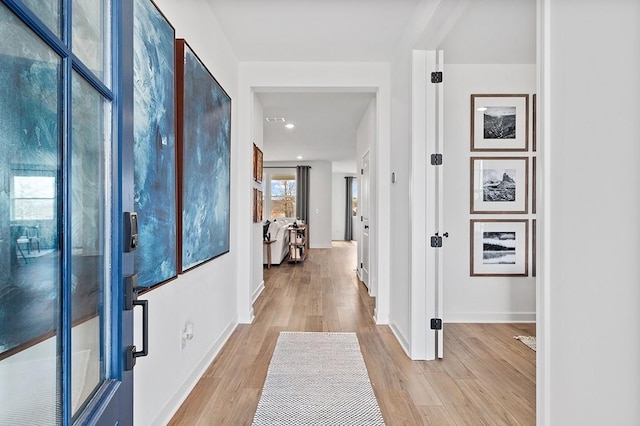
436,240
436,159
436,77
436,323
361,171
361,265
361,218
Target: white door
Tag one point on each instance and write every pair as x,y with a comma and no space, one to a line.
427,221
363,205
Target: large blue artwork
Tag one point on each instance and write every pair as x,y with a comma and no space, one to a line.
204,134
154,145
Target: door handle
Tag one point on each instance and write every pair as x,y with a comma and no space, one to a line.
366,227
131,301
132,354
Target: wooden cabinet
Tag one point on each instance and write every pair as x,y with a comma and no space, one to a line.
298,243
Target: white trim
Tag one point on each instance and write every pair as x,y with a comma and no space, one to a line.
490,317
257,293
171,407
543,285
400,338
422,306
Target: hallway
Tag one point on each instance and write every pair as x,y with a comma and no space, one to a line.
487,377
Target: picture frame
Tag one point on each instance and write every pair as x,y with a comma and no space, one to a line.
499,185
534,121
534,178
257,164
204,161
499,247
499,122
257,205
154,145
534,230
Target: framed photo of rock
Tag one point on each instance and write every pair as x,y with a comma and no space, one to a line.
499,247
500,122
499,185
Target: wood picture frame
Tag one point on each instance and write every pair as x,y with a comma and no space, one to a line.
499,247
257,205
154,146
257,164
499,185
499,122
204,161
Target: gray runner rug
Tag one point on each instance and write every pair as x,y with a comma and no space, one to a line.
317,379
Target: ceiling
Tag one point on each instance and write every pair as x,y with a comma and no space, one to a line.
487,31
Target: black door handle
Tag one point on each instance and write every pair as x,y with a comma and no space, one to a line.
366,227
132,354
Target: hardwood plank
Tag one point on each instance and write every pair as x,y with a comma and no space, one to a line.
486,377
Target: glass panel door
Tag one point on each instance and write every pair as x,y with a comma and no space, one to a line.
30,226
90,275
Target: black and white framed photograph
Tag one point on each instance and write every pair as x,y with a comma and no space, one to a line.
499,247
500,122
499,185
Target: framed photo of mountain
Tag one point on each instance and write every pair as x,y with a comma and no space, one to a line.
499,185
500,122
499,248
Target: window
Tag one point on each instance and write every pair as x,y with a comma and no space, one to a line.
33,198
354,197
279,189
283,195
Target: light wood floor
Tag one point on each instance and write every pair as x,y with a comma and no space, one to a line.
486,377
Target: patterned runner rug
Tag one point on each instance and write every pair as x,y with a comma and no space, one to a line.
527,340
317,379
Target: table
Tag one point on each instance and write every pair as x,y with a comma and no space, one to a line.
268,244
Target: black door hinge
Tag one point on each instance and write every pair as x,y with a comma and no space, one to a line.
436,159
436,241
436,323
436,77
361,171
361,265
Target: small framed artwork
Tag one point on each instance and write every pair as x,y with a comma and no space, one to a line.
499,247
499,122
499,185
257,164
257,205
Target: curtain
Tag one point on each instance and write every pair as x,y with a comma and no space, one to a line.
348,211
302,193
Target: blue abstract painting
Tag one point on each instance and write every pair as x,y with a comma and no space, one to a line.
206,153
154,145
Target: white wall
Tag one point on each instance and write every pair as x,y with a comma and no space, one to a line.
320,202
206,295
257,283
477,299
590,268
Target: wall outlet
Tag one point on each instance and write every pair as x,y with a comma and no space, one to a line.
186,335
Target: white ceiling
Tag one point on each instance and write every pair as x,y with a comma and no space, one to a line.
486,31
325,127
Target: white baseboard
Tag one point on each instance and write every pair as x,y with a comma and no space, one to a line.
172,406
257,293
400,338
490,317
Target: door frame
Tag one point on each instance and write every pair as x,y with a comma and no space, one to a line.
361,246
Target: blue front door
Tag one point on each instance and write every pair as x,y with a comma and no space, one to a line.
63,99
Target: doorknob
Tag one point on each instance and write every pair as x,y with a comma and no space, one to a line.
366,227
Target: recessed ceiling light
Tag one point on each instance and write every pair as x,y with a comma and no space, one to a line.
289,125
275,119
299,157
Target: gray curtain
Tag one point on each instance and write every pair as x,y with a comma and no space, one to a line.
348,211
302,193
